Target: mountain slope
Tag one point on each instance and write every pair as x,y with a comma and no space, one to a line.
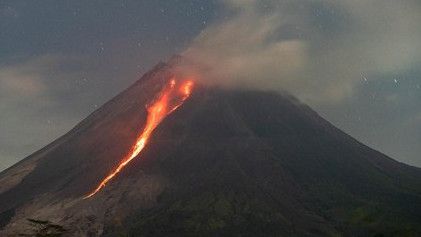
227,162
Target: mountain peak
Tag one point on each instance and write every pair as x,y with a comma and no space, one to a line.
224,162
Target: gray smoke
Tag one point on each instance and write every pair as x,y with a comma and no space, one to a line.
316,49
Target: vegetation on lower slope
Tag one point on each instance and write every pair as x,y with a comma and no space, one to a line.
43,228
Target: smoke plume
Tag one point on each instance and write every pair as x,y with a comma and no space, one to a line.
318,50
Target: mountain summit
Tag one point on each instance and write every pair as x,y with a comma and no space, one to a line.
223,162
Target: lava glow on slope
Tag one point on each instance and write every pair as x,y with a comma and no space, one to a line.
169,99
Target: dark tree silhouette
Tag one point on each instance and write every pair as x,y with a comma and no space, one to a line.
41,228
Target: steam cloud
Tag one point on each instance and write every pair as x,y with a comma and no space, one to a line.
318,50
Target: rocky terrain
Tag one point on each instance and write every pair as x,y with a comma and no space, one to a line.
226,163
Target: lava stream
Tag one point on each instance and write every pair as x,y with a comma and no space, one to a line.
168,101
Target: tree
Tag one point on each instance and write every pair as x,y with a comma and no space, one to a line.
41,228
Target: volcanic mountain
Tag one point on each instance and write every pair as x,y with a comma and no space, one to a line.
221,162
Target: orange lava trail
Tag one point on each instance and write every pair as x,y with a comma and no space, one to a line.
169,100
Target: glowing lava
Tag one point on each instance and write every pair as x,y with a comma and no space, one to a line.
169,100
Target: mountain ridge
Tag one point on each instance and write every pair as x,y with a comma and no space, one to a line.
227,162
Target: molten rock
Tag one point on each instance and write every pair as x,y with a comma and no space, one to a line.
165,158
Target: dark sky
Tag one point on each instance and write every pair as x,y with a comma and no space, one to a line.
358,64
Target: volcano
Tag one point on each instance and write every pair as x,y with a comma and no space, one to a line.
221,162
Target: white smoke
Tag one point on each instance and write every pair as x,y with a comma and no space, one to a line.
316,49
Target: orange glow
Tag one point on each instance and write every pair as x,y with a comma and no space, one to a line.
168,101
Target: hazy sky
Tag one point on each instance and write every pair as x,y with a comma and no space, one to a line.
356,62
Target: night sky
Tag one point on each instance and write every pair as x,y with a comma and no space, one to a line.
357,63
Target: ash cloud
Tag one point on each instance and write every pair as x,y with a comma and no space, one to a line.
318,50
355,62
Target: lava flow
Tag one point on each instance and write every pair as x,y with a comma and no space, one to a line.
169,100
